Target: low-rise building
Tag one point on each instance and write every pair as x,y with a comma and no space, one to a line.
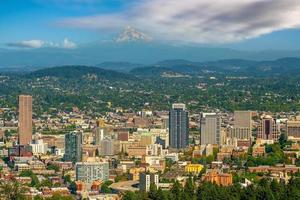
222,179
258,150
193,168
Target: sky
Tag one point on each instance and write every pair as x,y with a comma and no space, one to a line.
239,24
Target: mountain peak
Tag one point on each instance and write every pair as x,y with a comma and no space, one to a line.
130,34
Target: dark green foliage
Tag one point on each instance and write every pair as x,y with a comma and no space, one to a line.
78,71
67,179
153,193
130,196
53,167
72,187
189,189
38,197
90,88
274,156
34,179
176,191
57,196
26,173
105,187
265,189
12,191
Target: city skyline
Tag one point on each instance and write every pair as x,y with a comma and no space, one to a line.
149,99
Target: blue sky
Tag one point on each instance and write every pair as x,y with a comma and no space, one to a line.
36,19
247,24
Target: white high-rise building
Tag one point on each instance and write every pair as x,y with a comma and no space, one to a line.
39,147
210,128
99,135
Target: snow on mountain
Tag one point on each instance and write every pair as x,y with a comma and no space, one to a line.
130,34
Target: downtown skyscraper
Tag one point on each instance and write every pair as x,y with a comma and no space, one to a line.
73,147
268,129
210,128
178,126
25,119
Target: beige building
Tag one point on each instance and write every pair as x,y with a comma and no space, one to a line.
146,139
25,119
137,151
239,133
293,128
268,129
243,119
210,129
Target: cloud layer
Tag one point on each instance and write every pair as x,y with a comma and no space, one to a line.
199,21
27,44
35,44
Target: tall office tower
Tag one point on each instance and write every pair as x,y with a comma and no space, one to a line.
73,147
91,171
25,119
107,147
239,133
243,119
146,179
268,129
98,135
210,128
178,126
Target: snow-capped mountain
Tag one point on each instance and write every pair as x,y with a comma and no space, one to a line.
130,34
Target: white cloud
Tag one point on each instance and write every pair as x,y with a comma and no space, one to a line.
27,44
200,21
35,44
67,44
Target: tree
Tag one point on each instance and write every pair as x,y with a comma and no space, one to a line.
67,179
264,191
105,187
34,179
12,191
53,167
176,191
162,195
58,196
153,192
207,191
249,193
38,197
72,187
189,189
57,184
277,189
293,189
130,196
26,173
45,183
282,139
